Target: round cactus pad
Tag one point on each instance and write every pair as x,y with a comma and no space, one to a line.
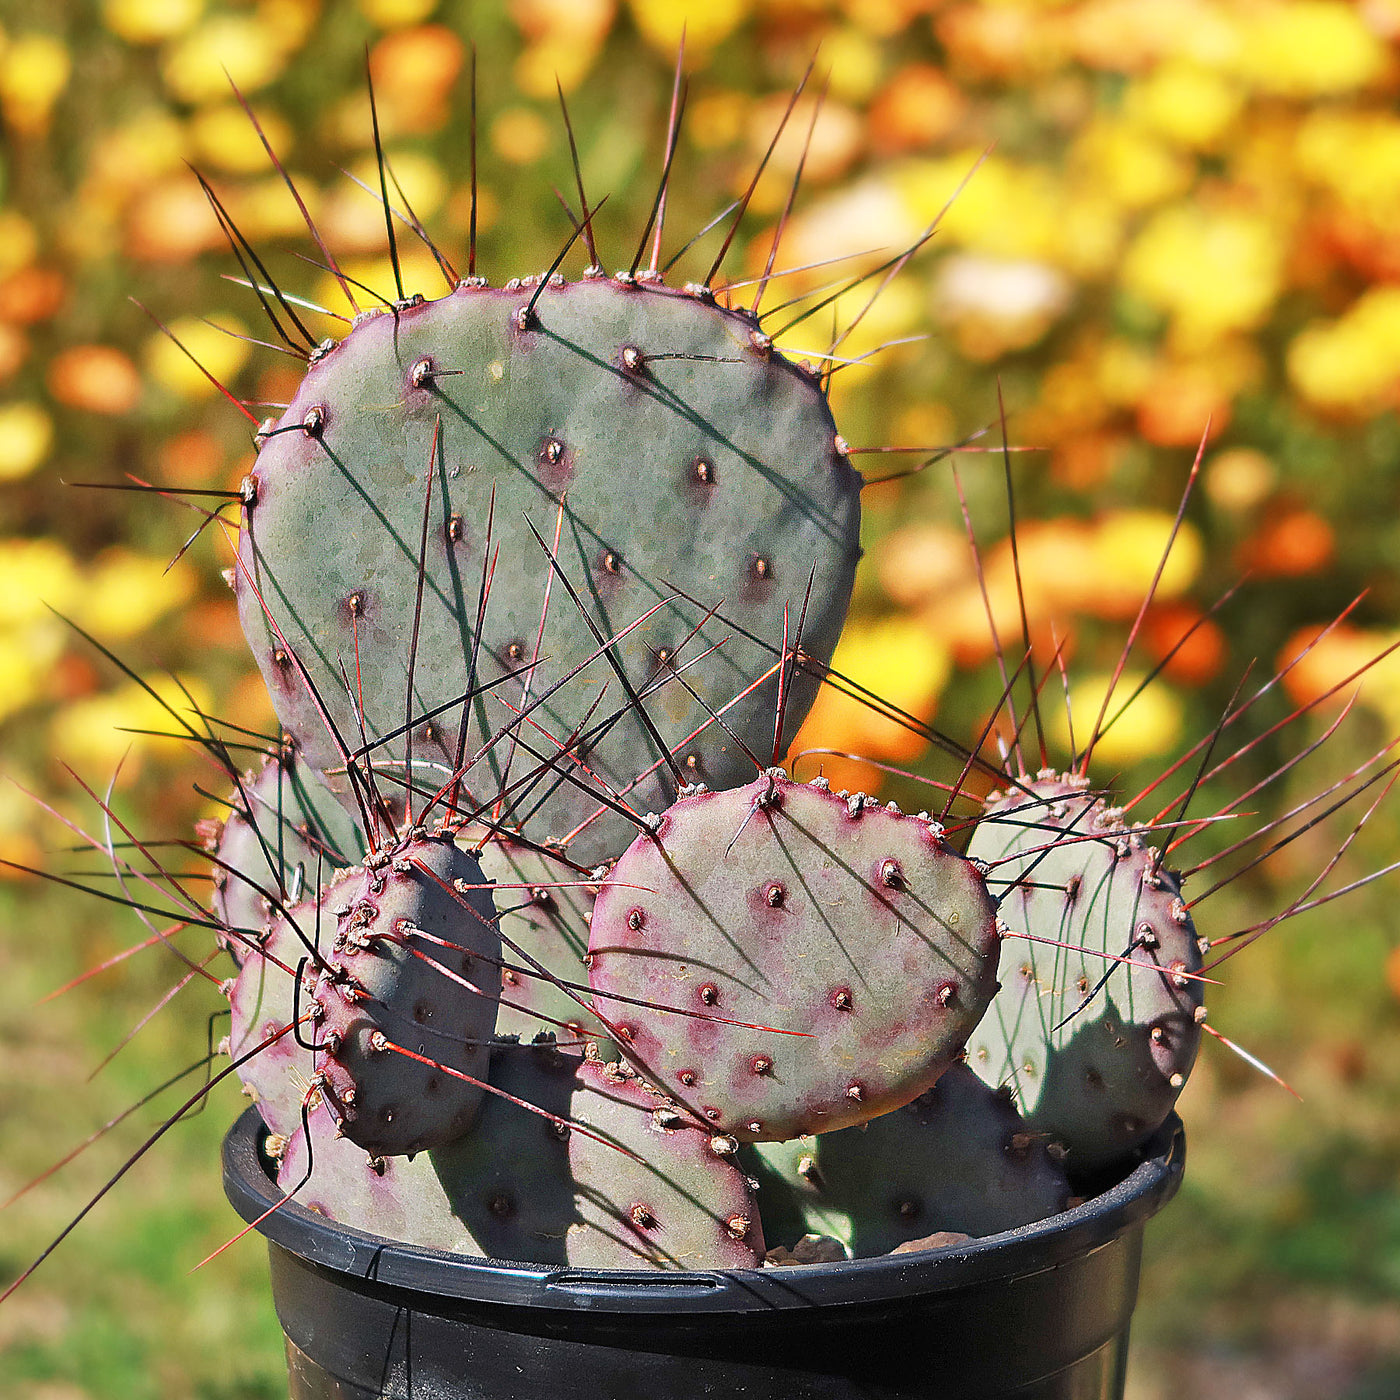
544,909
406,995
1095,1050
793,909
285,834
659,1189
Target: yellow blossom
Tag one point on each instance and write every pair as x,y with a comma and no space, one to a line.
1147,726
21,673
224,136
34,70
35,575
834,143
418,176
1340,661
1185,103
1308,48
998,206
1128,546
1239,479
1211,270
150,21
198,67
288,24
145,146
93,734
125,592
855,62
520,135
564,38
414,72
264,209
1356,156
394,14
18,241
704,23
26,434
1130,36
1128,165
899,659
221,354
1352,364
171,221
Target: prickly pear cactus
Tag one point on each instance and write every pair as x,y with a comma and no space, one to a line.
607,1173
276,1063
676,457
544,907
283,829
501,1190
399,964
959,1158
781,907
1095,1051
399,1198
667,1193
405,998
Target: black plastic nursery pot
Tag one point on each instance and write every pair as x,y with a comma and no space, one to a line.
1039,1313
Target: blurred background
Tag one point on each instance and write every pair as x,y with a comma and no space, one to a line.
1186,213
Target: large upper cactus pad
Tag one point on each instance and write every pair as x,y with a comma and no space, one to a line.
789,907
1096,1051
681,450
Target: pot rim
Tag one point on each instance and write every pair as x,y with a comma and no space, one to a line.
1027,1250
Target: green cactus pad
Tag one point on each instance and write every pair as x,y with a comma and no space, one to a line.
687,458
283,831
958,1158
501,1191
508,1179
1095,1051
525,1187
684,1205
390,990
262,1002
544,912
792,908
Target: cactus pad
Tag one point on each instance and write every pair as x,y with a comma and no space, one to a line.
262,1000
684,1205
390,990
792,908
525,1187
958,1158
686,457
283,829
544,912
1095,1051
399,1198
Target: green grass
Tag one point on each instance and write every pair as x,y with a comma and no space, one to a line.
116,1311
